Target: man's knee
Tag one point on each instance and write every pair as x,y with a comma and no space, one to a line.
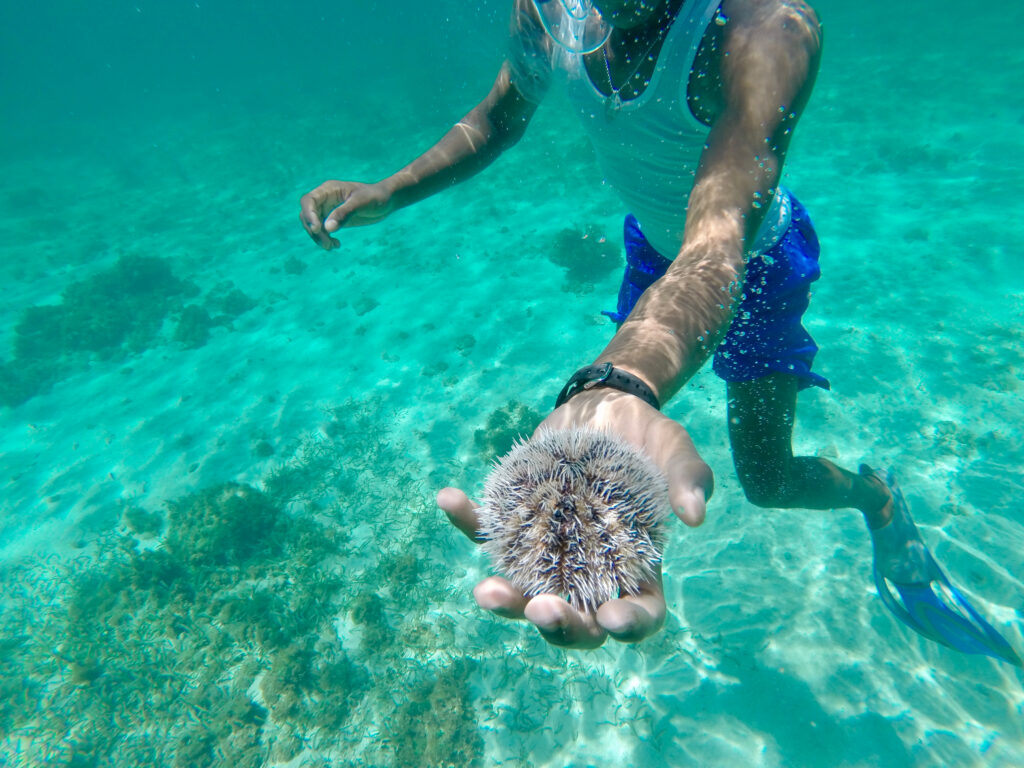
765,496
767,491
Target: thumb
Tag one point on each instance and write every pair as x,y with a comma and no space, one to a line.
336,219
690,485
461,511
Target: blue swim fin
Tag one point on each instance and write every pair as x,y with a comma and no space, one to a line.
926,601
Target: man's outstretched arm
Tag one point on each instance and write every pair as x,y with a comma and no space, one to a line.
473,143
768,66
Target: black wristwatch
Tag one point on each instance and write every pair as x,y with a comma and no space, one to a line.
606,375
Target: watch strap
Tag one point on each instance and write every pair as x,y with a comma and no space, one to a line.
606,375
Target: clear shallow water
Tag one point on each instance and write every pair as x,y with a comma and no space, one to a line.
339,391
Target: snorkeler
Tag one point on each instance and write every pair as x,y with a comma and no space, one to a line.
690,106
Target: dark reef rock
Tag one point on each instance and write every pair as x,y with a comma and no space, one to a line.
229,523
115,312
587,257
294,266
504,425
193,328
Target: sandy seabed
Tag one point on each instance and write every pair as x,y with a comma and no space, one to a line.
316,424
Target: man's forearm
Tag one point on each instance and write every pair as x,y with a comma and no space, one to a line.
471,145
679,320
682,317
461,153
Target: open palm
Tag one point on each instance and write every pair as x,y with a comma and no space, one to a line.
632,617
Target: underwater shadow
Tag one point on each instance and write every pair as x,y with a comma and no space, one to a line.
784,709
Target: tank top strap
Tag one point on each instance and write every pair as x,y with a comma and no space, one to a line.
682,46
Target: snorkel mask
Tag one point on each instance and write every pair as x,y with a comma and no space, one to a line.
576,25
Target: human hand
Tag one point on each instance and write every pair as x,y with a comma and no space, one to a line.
629,618
336,204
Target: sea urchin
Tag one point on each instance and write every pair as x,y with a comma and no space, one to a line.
575,512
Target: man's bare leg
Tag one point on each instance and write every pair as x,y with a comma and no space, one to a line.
760,427
761,416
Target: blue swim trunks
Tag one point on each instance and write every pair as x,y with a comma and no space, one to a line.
766,335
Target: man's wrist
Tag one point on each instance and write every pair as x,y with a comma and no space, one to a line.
392,189
606,375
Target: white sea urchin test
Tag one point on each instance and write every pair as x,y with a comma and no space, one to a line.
576,512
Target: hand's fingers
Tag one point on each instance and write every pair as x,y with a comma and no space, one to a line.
497,595
311,223
561,624
321,238
309,212
628,621
312,207
461,511
689,496
631,618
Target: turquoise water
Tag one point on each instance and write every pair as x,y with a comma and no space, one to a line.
218,538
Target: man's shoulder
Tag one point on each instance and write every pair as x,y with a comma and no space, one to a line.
530,53
524,16
796,16
527,29
772,30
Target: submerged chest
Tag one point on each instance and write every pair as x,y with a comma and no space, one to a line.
624,69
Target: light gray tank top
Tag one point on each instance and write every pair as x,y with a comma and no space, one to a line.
649,147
